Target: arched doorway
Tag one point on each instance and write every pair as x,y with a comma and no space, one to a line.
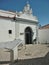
28,35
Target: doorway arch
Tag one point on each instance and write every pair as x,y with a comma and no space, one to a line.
28,35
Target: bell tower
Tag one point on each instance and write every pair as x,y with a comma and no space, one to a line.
27,9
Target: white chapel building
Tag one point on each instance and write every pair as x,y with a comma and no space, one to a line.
21,25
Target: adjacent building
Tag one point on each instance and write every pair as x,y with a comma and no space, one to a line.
43,34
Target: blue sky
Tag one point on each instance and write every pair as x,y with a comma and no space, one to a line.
40,8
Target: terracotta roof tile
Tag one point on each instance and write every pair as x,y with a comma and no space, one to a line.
45,27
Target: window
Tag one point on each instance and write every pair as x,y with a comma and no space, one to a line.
10,31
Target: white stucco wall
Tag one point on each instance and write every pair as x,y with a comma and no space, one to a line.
4,56
22,27
16,30
8,56
5,25
15,52
17,27
43,35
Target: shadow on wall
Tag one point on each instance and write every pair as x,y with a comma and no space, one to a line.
34,41
34,61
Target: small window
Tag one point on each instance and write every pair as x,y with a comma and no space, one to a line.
10,31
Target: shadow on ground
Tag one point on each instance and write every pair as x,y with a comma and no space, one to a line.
34,61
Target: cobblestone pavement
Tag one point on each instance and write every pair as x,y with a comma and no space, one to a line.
33,55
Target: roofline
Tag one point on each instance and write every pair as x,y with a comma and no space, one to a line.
21,19
42,27
7,12
6,17
45,25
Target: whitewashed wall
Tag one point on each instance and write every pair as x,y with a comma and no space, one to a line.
16,30
15,52
16,27
6,25
22,27
43,35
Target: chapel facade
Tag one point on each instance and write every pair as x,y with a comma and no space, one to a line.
19,25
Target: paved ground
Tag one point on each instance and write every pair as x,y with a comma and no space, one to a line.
33,55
